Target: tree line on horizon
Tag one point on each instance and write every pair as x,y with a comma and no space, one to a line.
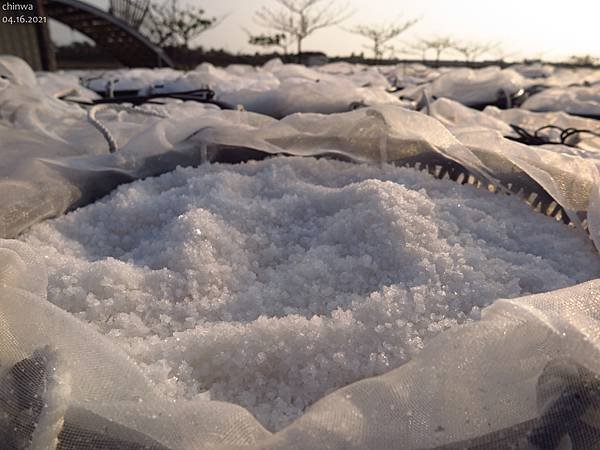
170,24
291,22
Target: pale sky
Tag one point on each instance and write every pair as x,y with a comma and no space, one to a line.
548,29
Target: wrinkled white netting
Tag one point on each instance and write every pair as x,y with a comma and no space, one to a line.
472,87
521,376
505,372
285,268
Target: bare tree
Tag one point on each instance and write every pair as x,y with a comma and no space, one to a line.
392,51
170,24
472,50
269,40
380,35
439,45
417,48
301,18
584,60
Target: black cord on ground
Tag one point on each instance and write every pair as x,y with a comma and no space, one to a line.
525,137
196,95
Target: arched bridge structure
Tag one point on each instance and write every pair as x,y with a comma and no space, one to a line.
114,35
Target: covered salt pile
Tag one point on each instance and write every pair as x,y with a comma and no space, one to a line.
354,257
270,284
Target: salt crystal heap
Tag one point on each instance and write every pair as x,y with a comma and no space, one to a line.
271,283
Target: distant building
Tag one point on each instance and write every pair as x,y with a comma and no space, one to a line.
27,36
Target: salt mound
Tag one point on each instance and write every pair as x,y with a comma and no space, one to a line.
272,283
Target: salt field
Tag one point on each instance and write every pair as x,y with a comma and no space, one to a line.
230,271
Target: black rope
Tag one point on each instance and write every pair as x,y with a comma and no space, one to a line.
525,137
200,95
197,95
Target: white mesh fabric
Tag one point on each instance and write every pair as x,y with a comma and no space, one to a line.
505,372
38,186
522,377
84,376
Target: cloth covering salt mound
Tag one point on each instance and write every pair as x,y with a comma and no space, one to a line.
46,174
270,284
132,369
475,87
278,92
469,381
40,185
584,101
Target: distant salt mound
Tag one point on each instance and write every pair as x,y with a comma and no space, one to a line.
272,283
475,87
573,100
